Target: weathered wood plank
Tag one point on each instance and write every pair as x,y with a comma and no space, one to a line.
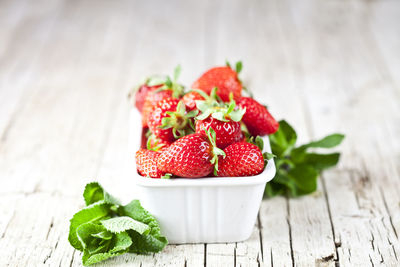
22,25
340,95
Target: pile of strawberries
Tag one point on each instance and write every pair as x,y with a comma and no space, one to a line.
210,130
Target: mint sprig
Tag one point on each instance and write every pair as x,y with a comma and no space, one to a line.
105,228
297,167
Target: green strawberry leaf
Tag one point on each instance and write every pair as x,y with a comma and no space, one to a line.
239,67
177,72
166,176
219,116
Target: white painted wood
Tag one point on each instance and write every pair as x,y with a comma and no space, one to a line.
343,94
65,70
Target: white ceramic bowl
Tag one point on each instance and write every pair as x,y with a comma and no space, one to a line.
202,210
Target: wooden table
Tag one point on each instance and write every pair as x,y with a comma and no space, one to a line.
325,66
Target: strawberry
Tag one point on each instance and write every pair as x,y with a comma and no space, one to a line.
190,99
224,78
257,118
227,132
146,162
141,94
242,159
191,156
156,144
223,119
144,136
169,120
162,89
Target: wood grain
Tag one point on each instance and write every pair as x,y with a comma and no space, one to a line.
325,66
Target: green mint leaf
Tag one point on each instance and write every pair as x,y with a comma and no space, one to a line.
106,229
327,142
144,244
94,212
283,141
305,179
103,235
321,161
153,241
273,189
94,192
91,237
120,245
123,223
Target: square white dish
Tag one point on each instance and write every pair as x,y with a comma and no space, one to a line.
201,210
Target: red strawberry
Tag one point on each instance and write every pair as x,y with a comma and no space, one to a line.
191,156
169,120
223,119
242,159
143,141
224,78
146,162
156,144
257,118
190,99
141,94
151,101
227,132
165,88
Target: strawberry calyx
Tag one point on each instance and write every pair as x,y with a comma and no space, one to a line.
211,135
220,111
180,121
238,66
210,99
153,143
168,83
167,176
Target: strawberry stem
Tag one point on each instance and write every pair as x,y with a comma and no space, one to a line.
179,120
215,150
